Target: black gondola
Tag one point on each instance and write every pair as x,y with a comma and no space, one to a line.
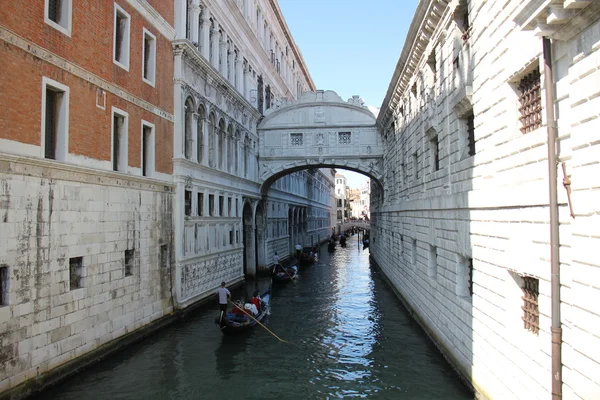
279,275
232,324
343,241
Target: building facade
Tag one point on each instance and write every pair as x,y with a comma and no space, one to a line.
341,196
86,136
464,228
233,62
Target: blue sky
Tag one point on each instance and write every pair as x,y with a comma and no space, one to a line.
350,46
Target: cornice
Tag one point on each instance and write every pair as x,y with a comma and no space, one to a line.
425,21
150,14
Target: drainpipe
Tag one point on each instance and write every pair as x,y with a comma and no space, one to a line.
554,240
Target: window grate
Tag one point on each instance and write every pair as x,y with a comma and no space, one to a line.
188,203
54,10
344,137
50,138
470,267
530,100
75,273
296,139
4,288
531,314
129,260
471,134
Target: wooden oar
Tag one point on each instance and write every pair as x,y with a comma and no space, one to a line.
258,322
288,274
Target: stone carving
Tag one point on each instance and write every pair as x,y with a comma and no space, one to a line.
320,150
320,138
369,150
272,151
319,115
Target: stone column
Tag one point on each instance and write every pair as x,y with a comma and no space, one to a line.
205,133
239,75
215,45
195,136
194,23
223,53
230,64
205,34
246,80
180,19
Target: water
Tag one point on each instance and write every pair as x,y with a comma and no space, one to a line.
350,337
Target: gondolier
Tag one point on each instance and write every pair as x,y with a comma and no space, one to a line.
298,250
224,296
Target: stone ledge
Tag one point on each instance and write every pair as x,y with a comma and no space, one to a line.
50,169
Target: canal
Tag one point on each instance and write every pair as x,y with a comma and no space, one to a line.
349,337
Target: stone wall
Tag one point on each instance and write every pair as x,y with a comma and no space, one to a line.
489,209
51,215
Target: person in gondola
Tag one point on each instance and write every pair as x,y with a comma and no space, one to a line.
256,301
298,250
224,296
238,310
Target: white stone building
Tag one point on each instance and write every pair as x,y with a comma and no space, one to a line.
463,226
233,62
341,191
365,200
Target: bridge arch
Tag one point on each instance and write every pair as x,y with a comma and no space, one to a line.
320,130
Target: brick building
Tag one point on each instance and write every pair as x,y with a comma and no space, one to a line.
86,139
463,226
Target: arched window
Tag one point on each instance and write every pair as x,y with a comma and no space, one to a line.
212,133
221,146
201,118
188,139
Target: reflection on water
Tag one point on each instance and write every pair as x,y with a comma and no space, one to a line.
349,337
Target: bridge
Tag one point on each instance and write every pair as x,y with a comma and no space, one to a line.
320,130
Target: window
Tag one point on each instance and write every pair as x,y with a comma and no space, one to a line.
221,209
4,286
237,236
55,120
414,253
434,148
121,38
57,14
129,262
149,58
147,149
200,204
464,279
164,256
211,204
229,210
415,166
119,140
530,101
344,138
75,273
432,269
231,237
236,208
471,134
188,203
296,139
531,314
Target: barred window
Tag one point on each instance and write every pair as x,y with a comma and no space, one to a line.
296,139
531,314
75,273
344,137
530,102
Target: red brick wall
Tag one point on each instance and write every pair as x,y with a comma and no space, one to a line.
91,48
91,43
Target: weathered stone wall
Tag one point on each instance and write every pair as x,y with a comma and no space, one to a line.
51,213
491,207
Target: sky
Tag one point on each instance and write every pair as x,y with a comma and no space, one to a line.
350,46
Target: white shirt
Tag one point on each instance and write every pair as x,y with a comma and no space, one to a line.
298,247
223,292
276,259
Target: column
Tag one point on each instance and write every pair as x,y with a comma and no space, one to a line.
217,141
230,64
194,23
216,45
205,133
180,19
205,34
239,75
222,65
246,81
225,151
195,136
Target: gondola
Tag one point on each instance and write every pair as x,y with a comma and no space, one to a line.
231,324
283,276
343,241
308,258
365,243
331,246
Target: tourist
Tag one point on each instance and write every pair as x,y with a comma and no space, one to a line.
256,301
224,296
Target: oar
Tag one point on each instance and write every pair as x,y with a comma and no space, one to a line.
258,322
288,274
